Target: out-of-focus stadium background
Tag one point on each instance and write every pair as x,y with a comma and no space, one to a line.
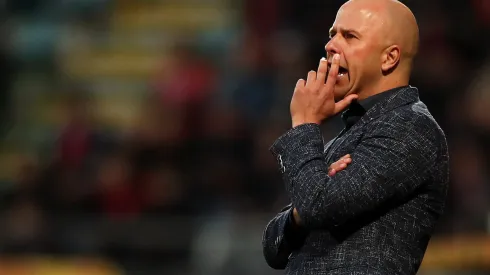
135,133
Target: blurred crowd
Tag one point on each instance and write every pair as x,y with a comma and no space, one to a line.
193,176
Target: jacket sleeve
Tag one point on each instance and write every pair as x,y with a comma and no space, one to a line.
392,160
280,239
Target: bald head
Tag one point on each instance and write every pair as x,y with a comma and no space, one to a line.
397,23
404,26
377,41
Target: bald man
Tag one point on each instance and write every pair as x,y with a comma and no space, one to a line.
375,216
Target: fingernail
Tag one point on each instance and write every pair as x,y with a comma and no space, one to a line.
336,57
323,59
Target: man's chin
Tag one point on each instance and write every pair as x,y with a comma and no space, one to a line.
341,92
339,95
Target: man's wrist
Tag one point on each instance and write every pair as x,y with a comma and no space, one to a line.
294,235
292,223
296,218
298,122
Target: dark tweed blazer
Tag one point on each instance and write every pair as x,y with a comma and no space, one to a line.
376,216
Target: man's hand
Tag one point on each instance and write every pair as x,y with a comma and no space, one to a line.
313,100
335,167
339,165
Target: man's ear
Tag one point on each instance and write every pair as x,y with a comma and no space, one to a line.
390,59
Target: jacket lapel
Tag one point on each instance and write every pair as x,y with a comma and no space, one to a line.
403,97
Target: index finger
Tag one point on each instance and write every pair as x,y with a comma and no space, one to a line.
334,71
322,71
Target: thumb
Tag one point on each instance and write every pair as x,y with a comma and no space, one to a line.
344,103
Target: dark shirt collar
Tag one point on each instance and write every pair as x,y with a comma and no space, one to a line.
358,108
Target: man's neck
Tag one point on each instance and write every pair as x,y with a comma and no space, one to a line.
382,87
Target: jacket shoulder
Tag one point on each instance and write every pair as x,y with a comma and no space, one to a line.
411,121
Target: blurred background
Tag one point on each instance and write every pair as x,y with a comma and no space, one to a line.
135,133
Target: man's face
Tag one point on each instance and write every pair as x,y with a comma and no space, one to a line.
355,35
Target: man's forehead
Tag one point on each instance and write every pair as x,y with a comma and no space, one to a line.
356,19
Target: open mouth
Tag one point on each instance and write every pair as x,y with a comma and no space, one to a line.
342,71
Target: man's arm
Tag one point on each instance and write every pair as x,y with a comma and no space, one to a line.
391,161
281,237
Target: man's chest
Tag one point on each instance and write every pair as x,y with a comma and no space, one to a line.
345,143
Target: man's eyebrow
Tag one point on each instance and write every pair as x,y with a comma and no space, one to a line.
334,30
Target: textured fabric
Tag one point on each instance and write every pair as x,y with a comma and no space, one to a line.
358,108
377,215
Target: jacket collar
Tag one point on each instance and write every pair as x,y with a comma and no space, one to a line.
404,96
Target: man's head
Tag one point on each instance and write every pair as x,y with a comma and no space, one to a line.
377,41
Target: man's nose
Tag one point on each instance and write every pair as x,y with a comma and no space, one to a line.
332,48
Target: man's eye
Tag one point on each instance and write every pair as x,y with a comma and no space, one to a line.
349,36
